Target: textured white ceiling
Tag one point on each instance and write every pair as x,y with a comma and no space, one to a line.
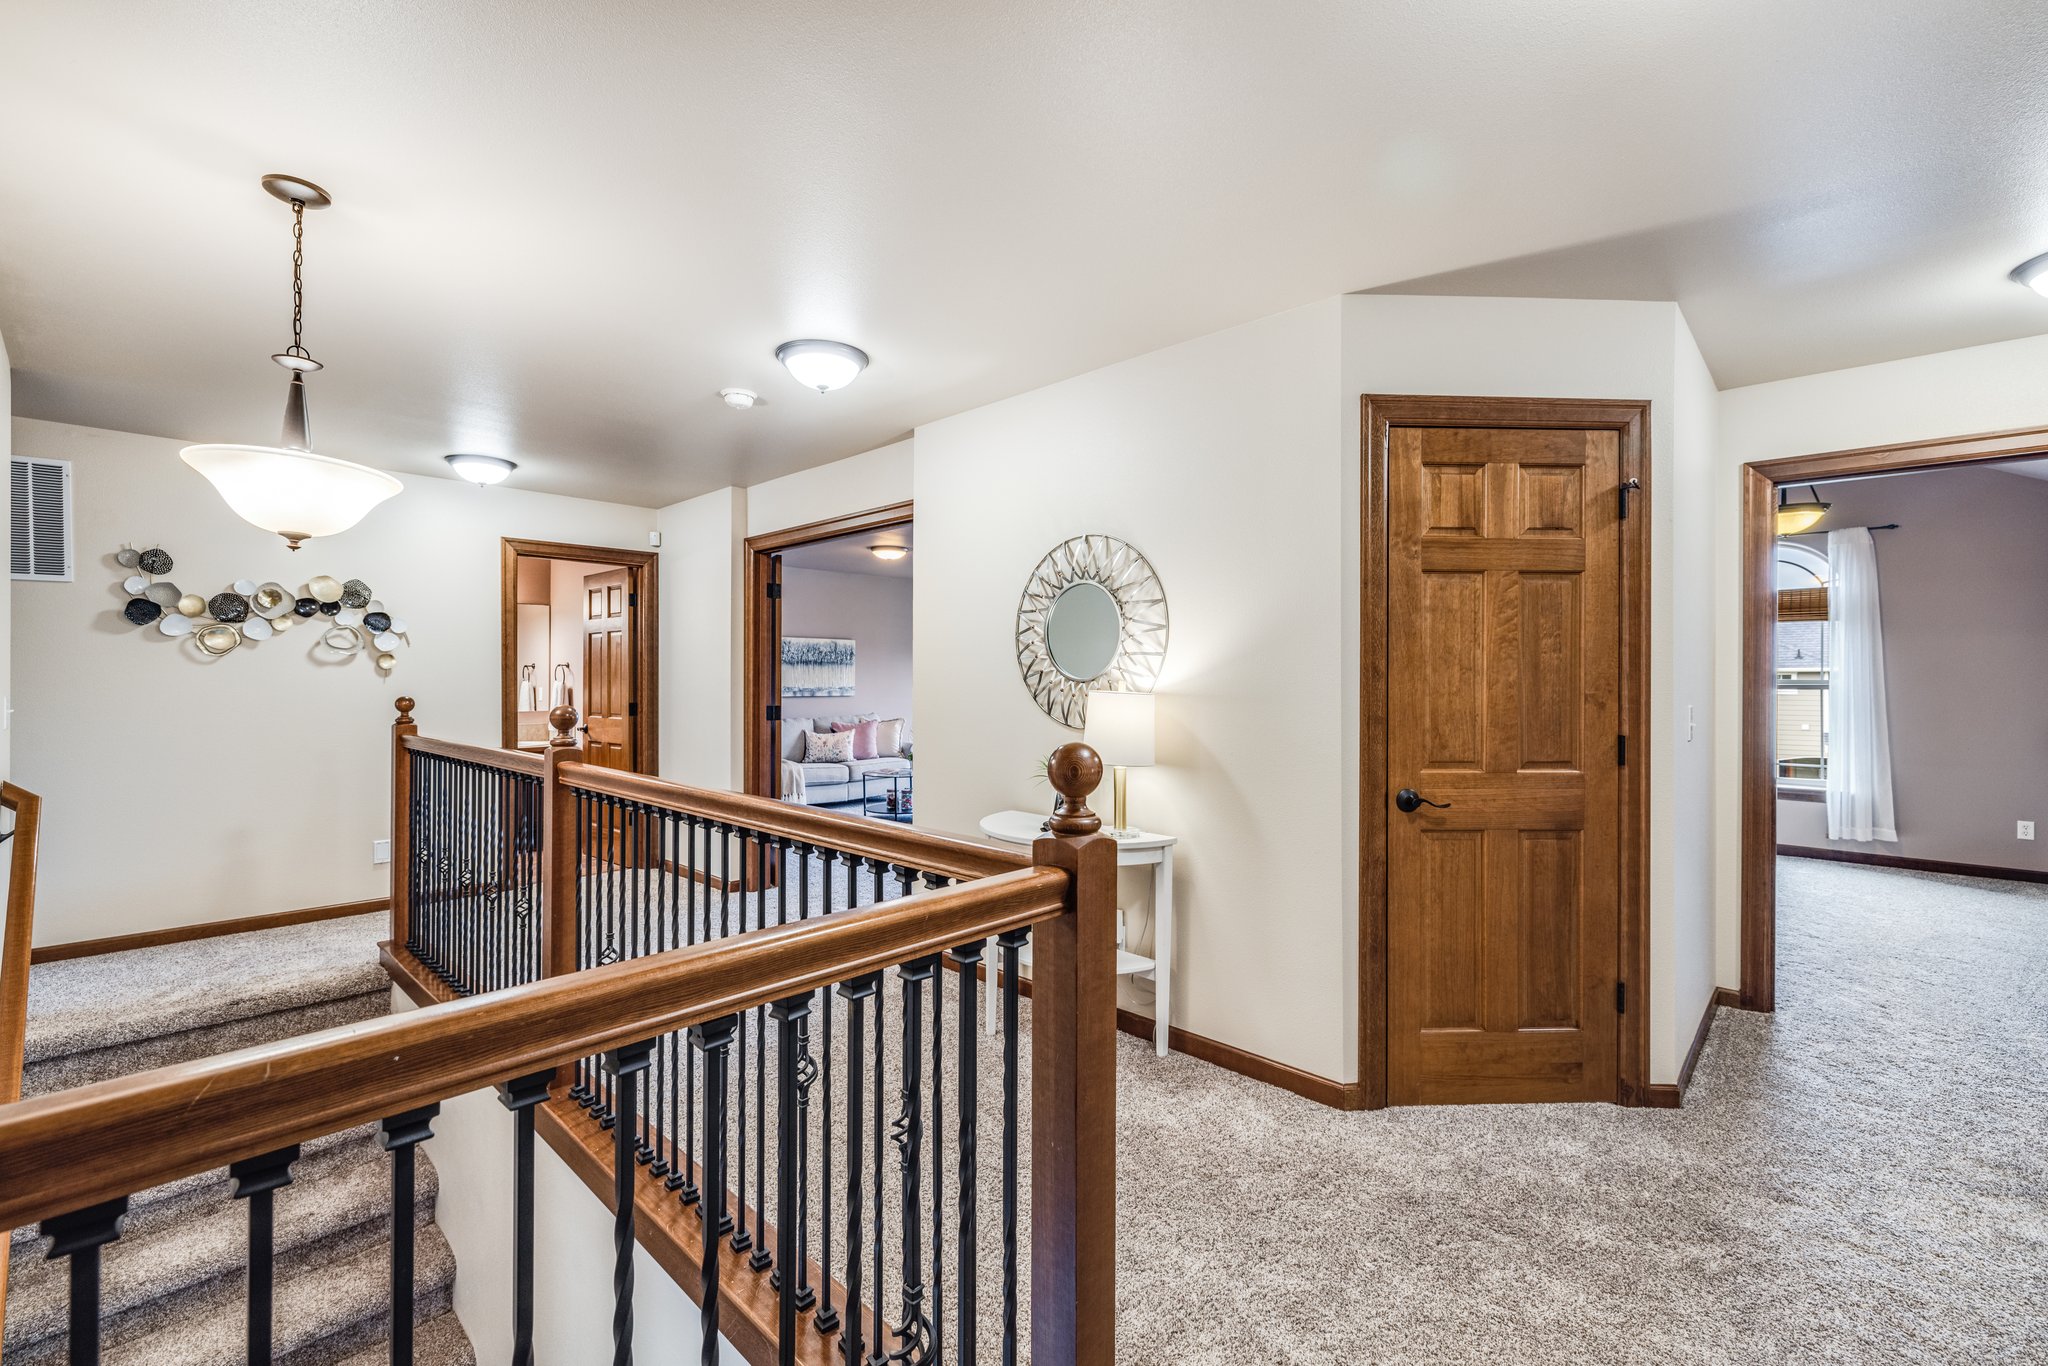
850,554
562,228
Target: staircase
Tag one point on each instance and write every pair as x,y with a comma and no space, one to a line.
173,1289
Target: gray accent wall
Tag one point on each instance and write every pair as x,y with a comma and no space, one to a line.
873,611
1964,585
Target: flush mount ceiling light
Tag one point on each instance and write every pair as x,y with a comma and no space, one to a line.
822,365
287,489
2033,274
1794,518
888,552
480,469
741,399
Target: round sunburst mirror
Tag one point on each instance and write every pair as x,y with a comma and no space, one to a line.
1093,615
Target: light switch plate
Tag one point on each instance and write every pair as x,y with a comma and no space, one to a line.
2026,830
380,851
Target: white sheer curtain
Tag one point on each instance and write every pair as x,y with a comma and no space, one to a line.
1859,730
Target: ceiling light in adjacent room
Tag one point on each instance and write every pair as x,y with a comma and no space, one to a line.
741,399
888,552
287,489
2033,274
822,365
1793,518
480,469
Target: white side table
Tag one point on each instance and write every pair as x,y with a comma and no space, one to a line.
1146,849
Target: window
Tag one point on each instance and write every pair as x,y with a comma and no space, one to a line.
1802,667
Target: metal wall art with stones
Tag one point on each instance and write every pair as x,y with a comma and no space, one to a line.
345,616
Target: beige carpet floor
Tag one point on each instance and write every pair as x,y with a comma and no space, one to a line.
1861,1177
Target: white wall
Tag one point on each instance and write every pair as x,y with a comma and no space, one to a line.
6,592
1999,387
566,619
701,649
180,790
873,611
858,483
1219,460
1553,348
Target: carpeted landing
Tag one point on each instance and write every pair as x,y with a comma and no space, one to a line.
174,1285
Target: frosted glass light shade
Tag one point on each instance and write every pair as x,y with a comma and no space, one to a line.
823,365
294,494
1121,727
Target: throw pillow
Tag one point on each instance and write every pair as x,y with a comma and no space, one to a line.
828,749
863,733
889,738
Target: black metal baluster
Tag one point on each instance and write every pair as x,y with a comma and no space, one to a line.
913,1328
762,1258
522,1095
713,1038
857,993
80,1235
789,1016
742,1239
684,1177
625,1065
401,1136
968,959
1009,943
938,1279
257,1180
876,1122
827,1317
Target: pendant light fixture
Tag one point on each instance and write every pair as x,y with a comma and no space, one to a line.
287,489
1794,518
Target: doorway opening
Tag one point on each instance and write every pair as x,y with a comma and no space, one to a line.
828,664
1789,711
1503,791
579,625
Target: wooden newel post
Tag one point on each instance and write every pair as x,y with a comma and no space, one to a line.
558,850
401,826
1073,1083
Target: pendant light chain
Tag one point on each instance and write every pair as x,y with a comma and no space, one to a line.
298,348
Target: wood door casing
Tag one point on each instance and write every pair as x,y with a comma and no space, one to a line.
608,669
1503,699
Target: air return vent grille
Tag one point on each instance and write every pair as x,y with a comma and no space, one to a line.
39,531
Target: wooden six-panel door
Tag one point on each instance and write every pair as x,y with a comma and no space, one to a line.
1503,703
608,669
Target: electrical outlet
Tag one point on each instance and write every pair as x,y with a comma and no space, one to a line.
380,851
2026,830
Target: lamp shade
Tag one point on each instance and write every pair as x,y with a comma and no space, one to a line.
294,494
1120,728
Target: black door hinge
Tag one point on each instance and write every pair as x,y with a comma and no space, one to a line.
774,589
1621,751
775,713
1620,998
632,599
632,709
1626,485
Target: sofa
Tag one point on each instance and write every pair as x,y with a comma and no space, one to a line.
829,784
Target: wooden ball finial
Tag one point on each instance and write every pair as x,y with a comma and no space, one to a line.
1075,770
405,705
563,719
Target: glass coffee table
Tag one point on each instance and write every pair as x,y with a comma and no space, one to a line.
886,795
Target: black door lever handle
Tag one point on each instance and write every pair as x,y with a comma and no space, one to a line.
1408,799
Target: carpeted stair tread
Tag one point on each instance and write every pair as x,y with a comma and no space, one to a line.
323,1315
87,1004
163,1275
67,1070
438,1342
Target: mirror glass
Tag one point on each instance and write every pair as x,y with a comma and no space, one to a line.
1082,630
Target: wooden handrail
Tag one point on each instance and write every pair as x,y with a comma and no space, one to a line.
92,1143
17,933
511,760
923,850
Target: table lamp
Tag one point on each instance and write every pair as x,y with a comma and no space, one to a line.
1120,728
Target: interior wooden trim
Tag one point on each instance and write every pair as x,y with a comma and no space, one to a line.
1914,865
207,929
1666,1096
511,760
1760,481
760,775
17,932
645,567
1630,420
